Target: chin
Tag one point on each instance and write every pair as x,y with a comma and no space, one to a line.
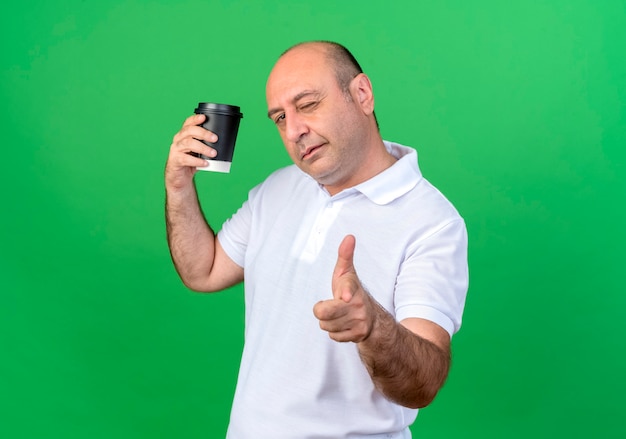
321,172
325,179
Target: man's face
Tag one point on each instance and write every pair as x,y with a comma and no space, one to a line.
321,127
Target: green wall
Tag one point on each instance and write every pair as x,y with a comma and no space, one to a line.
517,110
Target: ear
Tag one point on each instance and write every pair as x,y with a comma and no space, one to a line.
363,92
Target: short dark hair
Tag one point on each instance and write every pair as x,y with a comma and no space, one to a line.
345,64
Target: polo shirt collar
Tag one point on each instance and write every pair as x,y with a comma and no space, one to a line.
394,181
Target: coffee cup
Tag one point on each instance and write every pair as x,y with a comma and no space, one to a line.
223,120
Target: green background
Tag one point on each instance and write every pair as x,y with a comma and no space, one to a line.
517,111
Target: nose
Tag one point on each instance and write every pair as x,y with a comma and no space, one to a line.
295,127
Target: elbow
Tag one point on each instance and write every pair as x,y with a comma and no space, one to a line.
196,288
420,399
194,281
210,283
197,285
421,393
423,401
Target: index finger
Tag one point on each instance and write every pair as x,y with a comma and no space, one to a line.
195,119
330,309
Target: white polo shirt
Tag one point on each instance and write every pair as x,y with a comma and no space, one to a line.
411,255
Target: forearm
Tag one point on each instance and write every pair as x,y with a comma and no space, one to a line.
190,238
405,367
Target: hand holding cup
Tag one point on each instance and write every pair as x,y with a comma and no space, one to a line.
188,146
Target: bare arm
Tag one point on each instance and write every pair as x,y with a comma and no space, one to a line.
408,361
197,254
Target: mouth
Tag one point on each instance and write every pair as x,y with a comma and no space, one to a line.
309,151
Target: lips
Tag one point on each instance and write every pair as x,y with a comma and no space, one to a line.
310,150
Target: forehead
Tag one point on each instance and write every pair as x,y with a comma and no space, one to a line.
299,69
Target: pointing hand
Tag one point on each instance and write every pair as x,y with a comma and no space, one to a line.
349,315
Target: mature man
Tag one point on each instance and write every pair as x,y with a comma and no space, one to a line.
355,267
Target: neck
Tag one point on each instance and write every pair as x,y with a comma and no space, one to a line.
377,160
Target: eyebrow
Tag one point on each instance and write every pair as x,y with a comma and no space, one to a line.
296,98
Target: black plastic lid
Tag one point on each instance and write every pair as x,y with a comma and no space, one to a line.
210,107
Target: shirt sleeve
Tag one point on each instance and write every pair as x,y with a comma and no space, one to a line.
235,233
436,268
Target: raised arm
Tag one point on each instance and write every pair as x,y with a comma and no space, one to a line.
197,254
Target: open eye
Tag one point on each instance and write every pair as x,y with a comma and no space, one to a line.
279,118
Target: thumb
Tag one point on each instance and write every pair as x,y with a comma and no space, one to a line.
345,264
345,256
